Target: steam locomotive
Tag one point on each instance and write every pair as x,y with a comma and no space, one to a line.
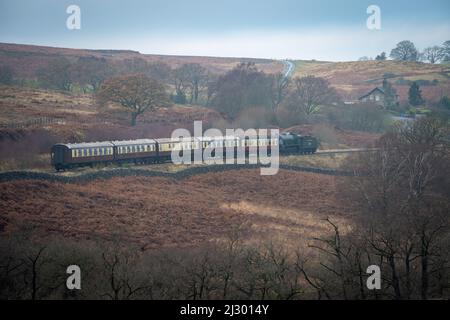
147,151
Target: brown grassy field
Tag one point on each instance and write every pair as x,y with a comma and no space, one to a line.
161,212
26,59
353,79
74,117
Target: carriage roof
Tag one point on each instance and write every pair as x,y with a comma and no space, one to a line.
102,144
133,142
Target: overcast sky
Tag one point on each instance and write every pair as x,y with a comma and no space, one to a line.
320,29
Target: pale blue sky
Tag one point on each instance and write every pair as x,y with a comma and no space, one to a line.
319,29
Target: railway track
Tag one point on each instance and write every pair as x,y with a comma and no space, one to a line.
124,172
354,150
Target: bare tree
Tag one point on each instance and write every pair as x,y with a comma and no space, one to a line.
58,74
446,51
6,75
405,51
136,93
310,93
123,275
402,196
92,71
433,54
195,77
280,86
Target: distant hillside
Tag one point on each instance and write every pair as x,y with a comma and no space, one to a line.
26,59
353,79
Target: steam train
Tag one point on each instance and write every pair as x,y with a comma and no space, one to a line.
147,151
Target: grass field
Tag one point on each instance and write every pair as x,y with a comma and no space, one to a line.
353,79
162,212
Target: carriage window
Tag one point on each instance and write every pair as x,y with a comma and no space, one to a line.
74,153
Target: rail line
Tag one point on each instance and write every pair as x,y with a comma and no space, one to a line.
354,150
105,174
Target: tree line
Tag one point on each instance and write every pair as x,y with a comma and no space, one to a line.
407,51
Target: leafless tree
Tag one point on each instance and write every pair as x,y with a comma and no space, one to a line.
136,93
309,94
433,54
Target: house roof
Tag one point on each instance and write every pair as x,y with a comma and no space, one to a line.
372,91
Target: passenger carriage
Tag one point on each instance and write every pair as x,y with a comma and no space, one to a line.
137,151
70,155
